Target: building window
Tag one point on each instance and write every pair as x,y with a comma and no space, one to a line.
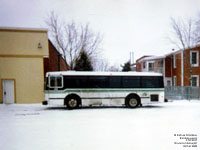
160,63
151,66
175,81
195,80
168,83
175,61
194,58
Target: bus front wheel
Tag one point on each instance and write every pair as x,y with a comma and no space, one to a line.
132,101
72,101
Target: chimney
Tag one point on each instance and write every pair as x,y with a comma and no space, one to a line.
131,57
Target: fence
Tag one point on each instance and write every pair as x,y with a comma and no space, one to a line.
180,93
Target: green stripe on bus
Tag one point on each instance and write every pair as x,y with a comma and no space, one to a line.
103,90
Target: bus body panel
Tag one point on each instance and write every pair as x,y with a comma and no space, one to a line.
102,98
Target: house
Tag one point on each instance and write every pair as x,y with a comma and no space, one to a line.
22,52
179,68
139,65
55,61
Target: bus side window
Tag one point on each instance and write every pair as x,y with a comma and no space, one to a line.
98,82
152,82
56,82
115,82
148,82
131,82
52,81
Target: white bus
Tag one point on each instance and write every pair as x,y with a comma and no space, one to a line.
75,89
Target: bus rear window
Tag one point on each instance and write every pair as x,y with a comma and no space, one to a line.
56,82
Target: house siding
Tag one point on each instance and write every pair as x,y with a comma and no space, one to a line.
187,68
138,67
168,66
176,71
156,65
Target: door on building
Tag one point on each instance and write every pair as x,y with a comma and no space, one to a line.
8,92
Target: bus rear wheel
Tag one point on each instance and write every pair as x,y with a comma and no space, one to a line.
132,101
72,102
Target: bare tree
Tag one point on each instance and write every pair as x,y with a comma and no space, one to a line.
114,69
197,30
70,39
183,33
102,65
184,38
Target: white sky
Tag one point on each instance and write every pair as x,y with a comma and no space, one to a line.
140,26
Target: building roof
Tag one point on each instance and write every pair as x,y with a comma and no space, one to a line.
149,58
22,29
143,57
152,58
180,50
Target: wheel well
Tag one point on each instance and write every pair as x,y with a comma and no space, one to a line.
132,95
74,96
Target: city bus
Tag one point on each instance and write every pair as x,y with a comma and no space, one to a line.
75,89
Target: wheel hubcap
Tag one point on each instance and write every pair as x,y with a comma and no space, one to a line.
73,103
133,102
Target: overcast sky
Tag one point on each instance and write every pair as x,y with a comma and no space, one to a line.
139,26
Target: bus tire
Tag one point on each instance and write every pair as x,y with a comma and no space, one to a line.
132,101
72,101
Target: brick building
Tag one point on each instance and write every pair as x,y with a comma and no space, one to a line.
185,67
55,61
179,68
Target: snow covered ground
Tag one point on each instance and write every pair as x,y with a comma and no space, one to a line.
152,127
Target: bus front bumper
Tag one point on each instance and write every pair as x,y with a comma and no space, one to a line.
45,103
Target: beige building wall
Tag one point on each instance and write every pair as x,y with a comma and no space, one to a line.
22,61
23,42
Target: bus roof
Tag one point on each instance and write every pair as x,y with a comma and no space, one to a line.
93,73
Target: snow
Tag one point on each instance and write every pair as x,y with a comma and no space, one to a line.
152,58
92,73
37,127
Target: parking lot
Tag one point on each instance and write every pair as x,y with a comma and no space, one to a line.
37,127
